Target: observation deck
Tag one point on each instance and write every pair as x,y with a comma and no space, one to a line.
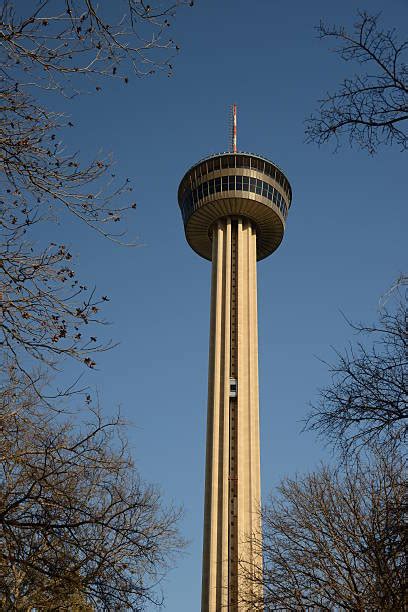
234,185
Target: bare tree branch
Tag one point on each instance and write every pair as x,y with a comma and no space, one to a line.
52,50
372,107
367,400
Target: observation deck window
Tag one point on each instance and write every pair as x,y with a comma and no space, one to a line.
231,183
258,164
273,172
224,161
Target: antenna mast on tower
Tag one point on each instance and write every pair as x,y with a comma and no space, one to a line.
233,146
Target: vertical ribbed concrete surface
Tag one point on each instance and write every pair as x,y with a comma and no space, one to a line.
232,489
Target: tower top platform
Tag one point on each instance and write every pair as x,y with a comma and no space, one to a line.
234,184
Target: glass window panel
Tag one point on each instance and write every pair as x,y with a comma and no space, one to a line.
239,161
231,183
210,165
260,165
239,183
231,161
200,191
217,185
245,183
246,162
258,186
224,162
205,189
224,183
252,184
216,163
264,189
211,186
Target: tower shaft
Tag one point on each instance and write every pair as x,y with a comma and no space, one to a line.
232,489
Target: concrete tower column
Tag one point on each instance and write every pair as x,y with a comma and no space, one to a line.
232,489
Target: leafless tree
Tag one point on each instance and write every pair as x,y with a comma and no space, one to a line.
79,529
50,51
336,541
367,400
371,107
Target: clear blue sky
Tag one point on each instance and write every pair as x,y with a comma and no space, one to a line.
344,241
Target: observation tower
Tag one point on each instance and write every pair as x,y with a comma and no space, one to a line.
234,207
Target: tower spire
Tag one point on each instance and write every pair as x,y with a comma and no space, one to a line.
234,129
